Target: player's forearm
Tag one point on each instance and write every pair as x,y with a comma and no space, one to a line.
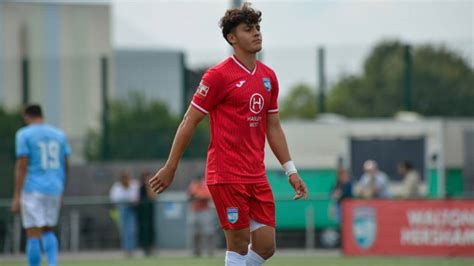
277,141
181,141
20,175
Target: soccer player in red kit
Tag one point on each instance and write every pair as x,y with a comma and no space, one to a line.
240,96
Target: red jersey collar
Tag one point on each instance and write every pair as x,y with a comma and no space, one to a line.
251,72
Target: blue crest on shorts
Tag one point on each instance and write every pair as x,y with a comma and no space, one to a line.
267,84
232,215
364,226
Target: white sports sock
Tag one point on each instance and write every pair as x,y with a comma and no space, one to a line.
234,259
253,259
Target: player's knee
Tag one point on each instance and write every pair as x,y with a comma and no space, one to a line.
239,244
33,232
266,252
46,229
242,250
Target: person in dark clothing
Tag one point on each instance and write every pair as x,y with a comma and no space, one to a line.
145,212
342,190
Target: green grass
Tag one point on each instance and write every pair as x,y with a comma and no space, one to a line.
277,261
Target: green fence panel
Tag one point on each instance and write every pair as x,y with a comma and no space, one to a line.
454,182
433,183
292,214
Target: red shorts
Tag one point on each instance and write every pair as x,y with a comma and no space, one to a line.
236,204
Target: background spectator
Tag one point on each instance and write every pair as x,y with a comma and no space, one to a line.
411,180
124,194
145,215
342,190
201,216
373,183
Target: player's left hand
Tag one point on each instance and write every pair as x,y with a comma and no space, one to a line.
299,186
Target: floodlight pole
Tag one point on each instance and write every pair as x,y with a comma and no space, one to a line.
322,80
407,78
105,109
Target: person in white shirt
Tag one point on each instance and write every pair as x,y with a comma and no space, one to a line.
373,183
125,195
411,181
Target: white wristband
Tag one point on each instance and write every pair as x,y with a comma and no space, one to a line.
289,168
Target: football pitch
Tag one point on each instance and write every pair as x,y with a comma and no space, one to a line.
277,261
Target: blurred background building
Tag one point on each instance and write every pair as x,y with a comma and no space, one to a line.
158,75
51,54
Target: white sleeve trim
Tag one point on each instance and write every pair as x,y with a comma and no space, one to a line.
272,110
199,107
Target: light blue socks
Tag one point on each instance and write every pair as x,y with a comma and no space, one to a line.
50,247
33,251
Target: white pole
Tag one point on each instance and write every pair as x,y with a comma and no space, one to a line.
75,228
65,233
16,234
441,162
310,227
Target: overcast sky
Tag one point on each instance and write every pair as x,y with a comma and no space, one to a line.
292,30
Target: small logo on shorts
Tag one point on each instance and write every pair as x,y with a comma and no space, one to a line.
232,215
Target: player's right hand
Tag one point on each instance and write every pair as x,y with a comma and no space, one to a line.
15,205
162,179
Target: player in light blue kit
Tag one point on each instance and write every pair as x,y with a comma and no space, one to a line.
42,164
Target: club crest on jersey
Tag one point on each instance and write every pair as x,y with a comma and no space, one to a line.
232,215
267,84
202,90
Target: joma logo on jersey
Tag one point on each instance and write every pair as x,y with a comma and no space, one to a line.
256,103
202,90
240,84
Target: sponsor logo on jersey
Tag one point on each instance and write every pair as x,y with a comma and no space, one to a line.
202,90
240,84
232,215
254,120
256,103
267,84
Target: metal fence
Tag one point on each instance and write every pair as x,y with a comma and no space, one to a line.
91,223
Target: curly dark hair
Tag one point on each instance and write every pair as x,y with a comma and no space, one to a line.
235,16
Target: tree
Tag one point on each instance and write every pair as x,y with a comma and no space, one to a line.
442,84
300,103
143,130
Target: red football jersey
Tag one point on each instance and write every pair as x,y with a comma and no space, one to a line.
237,101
